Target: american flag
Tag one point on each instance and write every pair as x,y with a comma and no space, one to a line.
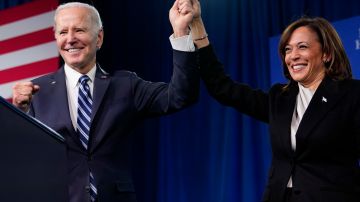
27,44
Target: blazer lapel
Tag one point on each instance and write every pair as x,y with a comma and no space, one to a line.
60,101
287,106
325,97
101,84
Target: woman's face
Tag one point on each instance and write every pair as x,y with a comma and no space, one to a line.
304,57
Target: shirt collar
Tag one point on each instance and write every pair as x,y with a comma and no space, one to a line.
73,76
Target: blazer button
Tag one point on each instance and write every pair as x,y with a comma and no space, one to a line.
87,189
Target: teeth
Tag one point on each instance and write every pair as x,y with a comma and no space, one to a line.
71,50
296,67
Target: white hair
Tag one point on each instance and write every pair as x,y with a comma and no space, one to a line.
94,14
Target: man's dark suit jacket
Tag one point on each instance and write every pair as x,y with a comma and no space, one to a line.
121,101
324,167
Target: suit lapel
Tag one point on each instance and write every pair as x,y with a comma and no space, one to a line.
287,106
101,84
60,100
324,99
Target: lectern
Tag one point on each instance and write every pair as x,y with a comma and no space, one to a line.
32,159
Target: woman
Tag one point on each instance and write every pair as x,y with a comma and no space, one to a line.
314,119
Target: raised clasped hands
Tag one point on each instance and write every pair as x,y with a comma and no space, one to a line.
181,15
196,9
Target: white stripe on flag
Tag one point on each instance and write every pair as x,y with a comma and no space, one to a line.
6,89
28,55
27,25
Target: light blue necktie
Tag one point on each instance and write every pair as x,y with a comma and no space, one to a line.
84,123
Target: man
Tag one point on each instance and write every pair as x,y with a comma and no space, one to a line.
96,111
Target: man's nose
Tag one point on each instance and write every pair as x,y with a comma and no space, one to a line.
71,37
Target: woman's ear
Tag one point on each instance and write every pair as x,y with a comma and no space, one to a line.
326,58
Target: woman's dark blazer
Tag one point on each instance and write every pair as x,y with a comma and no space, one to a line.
325,166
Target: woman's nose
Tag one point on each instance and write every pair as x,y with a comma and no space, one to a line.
294,54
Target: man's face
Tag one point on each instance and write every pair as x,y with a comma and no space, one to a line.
77,39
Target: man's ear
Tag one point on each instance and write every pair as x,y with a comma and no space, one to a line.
100,39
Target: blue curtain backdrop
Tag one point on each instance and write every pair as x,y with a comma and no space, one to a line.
7,3
208,152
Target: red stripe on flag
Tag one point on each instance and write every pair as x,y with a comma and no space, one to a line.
29,70
28,40
27,10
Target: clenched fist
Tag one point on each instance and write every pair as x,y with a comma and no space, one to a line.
22,94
